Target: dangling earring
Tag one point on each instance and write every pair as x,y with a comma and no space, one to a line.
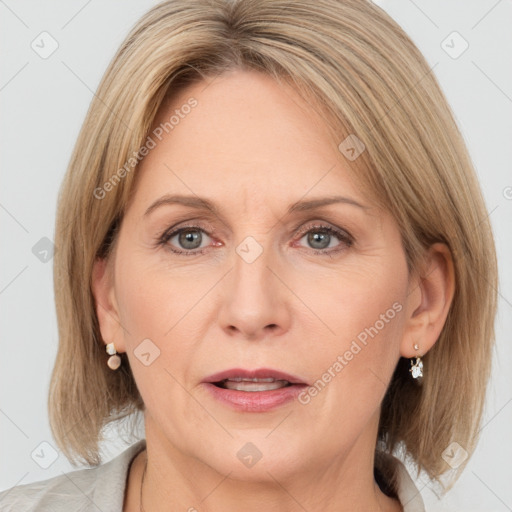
114,361
416,368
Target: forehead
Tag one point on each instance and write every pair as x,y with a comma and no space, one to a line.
246,137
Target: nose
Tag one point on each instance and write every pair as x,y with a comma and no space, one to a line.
255,302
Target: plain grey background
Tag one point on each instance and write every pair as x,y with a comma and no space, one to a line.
44,98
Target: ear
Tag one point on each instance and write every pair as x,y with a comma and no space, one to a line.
429,300
106,305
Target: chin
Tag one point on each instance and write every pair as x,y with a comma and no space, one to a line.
258,459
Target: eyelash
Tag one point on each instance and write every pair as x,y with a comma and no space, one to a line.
343,236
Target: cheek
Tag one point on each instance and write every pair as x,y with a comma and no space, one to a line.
365,314
167,307
153,298
361,303
151,305
143,306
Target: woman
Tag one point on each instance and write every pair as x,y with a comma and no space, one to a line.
274,247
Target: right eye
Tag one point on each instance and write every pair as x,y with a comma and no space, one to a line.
188,240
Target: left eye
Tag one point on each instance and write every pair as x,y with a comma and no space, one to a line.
324,237
318,240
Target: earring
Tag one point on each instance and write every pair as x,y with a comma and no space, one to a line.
416,368
114,361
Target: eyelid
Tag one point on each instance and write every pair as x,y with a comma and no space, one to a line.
326,226
191,223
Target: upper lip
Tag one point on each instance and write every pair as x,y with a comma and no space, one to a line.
259,373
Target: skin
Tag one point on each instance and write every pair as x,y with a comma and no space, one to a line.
253,148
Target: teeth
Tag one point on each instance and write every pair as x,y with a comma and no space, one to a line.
252,385
245,379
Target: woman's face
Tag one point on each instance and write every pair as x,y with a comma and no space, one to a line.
250,267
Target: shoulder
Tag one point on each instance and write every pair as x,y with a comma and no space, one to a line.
95,489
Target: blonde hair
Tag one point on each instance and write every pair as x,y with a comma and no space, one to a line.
369,78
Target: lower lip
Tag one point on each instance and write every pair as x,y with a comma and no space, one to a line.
255,401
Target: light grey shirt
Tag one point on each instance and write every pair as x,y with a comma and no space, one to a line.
102,488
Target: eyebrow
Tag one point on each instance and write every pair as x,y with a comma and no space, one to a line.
203,204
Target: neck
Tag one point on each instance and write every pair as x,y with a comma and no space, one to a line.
175,481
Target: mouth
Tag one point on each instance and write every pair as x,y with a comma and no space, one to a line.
261,379
254,390
252,385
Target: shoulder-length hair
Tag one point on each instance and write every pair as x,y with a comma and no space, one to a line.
350,59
